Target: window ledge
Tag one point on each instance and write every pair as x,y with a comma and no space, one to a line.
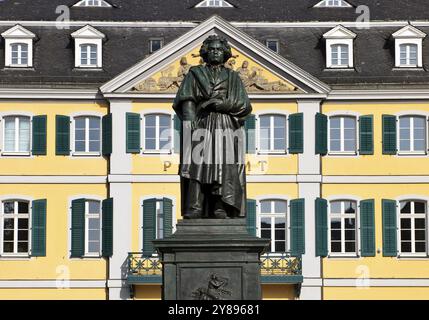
412,153
15,256
82,68
86,154
21,154
157,152
275,152
342,153
339,68
19,67
408,68
343,255
413,256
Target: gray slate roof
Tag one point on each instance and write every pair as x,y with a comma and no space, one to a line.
124,47
244,10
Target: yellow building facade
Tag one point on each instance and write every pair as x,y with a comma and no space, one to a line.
96,180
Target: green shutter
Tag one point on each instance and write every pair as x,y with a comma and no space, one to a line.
367,228
297,230
167,207
38,226
321,134
321,227
366,134
389,228
177,133
149,226
389,134
39,135
250,127
296,133
107,227
251,217
133,132
62,142
107,134
78,228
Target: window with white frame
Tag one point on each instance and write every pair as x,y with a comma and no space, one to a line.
92,3
87,134
88,55
214,3
93,227
18,44
408,54
343,227
272,133
339,47
159,219
273,45
19,54
333,4
155,45
412,134
272,223
16,134
88,43
157,133
340,55
15,231
342,134
413,232
408,47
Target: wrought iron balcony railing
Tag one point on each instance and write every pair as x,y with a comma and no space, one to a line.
275,268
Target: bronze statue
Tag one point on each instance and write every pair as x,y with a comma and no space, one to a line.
212,103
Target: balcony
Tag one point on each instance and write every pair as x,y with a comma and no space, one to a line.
275,268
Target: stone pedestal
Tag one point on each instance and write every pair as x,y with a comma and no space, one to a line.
211,259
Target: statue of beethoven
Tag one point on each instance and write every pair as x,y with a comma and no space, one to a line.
212,103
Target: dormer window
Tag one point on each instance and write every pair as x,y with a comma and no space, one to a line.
408,47
88,47
214,4
92,3
339,48
333,4
18,47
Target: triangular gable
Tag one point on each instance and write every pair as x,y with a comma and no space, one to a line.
88,32
257,54
18,31
93,3
333,4
339,32
409,32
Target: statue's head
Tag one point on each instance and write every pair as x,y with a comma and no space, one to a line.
215,50
183,61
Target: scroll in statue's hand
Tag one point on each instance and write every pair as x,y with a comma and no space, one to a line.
217,105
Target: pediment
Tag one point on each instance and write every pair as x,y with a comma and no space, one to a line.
409,32
262,70
18,31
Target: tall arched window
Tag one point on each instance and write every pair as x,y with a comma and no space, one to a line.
15,230
157,133
413,230
343,227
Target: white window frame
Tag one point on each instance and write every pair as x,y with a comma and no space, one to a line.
151,40
342,152
16,216
87,47
73,135
341,216
409,35
398,133
407,47
339,36
18,35
3,135
87,217
411,197
277,44
87,3
208,4
19,64
331,4
143,134
258,133
88,35
271,251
